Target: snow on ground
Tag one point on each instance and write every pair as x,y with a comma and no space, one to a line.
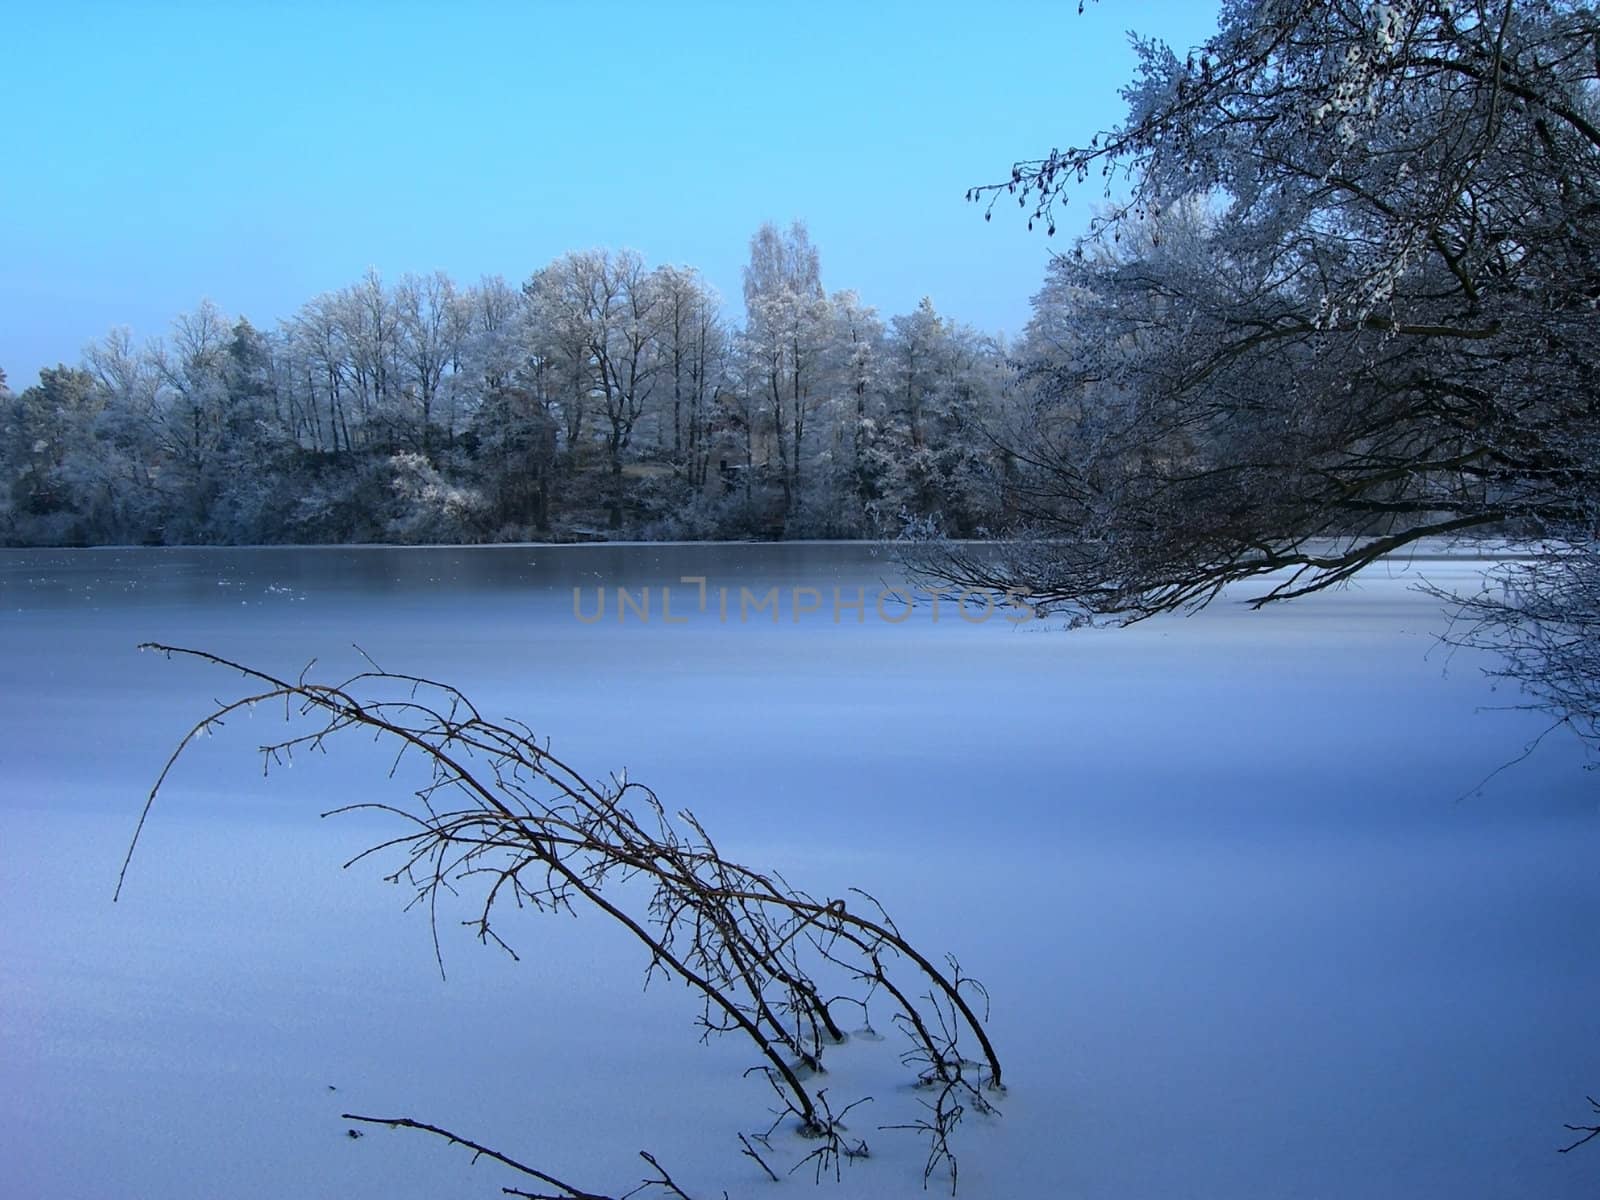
1247,930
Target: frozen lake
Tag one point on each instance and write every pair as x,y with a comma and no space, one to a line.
1246,932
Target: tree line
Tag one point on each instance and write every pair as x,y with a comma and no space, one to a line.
599,398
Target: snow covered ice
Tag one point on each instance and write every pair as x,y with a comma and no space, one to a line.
1247,928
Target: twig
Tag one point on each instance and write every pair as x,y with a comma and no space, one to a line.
1590,1132
749,1151
566,1190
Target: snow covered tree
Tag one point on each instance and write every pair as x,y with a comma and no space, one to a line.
366,333
49,431
691,339
431,326
496,333
1347,301
852,462
507,376
604,311
786,320
131,506
942,383
321,377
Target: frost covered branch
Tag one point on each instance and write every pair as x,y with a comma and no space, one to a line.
1540,618
1348,304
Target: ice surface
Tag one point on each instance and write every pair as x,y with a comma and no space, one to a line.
1245,937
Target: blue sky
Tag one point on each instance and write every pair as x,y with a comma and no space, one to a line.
260,154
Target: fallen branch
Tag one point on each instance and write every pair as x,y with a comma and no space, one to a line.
500,812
